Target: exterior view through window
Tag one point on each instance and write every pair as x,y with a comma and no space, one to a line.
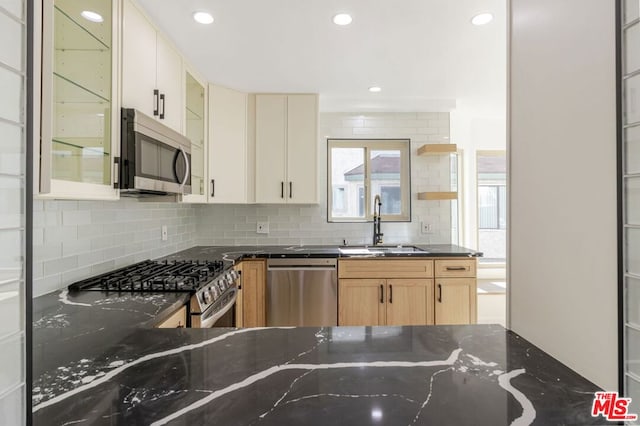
361,169
492,205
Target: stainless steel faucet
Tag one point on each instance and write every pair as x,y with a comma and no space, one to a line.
377,219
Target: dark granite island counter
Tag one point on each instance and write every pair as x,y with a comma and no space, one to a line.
439,375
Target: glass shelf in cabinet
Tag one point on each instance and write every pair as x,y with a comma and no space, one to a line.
193,115
91,146
71,34
67,90
75,163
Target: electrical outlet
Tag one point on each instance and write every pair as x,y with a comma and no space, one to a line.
262,227
425,227
164,232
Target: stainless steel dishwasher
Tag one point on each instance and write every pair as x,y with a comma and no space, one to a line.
302,292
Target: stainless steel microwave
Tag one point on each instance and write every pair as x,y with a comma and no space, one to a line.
154,159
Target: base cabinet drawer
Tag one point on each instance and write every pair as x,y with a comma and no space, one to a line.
176,320
385,268
455,268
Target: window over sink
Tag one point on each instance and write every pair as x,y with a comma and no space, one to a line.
360,169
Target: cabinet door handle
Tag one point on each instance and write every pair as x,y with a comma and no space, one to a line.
290,189
281,189
456,268
381,293
213,187
390,293
162,101
440,293
156,102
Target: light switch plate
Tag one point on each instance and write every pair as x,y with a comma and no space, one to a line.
164,232
262,227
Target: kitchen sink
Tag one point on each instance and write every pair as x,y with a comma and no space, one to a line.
373,250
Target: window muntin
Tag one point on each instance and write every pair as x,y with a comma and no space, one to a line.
363,169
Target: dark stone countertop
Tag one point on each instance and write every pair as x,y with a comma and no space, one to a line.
436,375
236,253
97,360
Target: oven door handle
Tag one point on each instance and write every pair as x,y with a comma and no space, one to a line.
209,322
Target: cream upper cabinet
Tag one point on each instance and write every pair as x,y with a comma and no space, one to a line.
302,148
286,149
229,152
151,70
195,129
79,121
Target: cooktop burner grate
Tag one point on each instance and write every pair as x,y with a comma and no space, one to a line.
157,276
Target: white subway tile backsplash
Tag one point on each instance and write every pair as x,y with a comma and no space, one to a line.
76,217
85,238
96,237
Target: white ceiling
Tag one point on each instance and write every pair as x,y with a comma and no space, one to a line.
425,54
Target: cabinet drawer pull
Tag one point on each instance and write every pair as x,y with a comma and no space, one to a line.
381,293
440,293
290,189
456,268
213,187
156,102
281,189
162,101
390,293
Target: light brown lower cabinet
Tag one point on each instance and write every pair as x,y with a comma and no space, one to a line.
400,301
455,301
252,298
177,320
407,291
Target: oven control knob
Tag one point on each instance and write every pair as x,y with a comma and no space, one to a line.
206,296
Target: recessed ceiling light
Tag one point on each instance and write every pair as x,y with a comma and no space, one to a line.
203,17
91,16
375,89
342,19
482,18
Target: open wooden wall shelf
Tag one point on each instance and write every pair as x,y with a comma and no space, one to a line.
438,149
430,196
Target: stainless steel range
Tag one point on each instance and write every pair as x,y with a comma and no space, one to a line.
213,293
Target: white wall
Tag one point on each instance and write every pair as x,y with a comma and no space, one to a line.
562,245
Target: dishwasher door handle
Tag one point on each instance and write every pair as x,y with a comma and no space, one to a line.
301,268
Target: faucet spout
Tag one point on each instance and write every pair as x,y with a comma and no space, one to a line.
377,219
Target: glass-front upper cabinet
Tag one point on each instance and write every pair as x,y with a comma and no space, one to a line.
80,115
195,129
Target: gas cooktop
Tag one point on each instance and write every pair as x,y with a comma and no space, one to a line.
158,276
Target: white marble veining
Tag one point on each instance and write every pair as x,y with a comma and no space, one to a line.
279,368
104,376
64,298
528,412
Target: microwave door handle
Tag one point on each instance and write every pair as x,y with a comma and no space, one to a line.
187,168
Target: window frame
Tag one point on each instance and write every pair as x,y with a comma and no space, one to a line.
368,145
